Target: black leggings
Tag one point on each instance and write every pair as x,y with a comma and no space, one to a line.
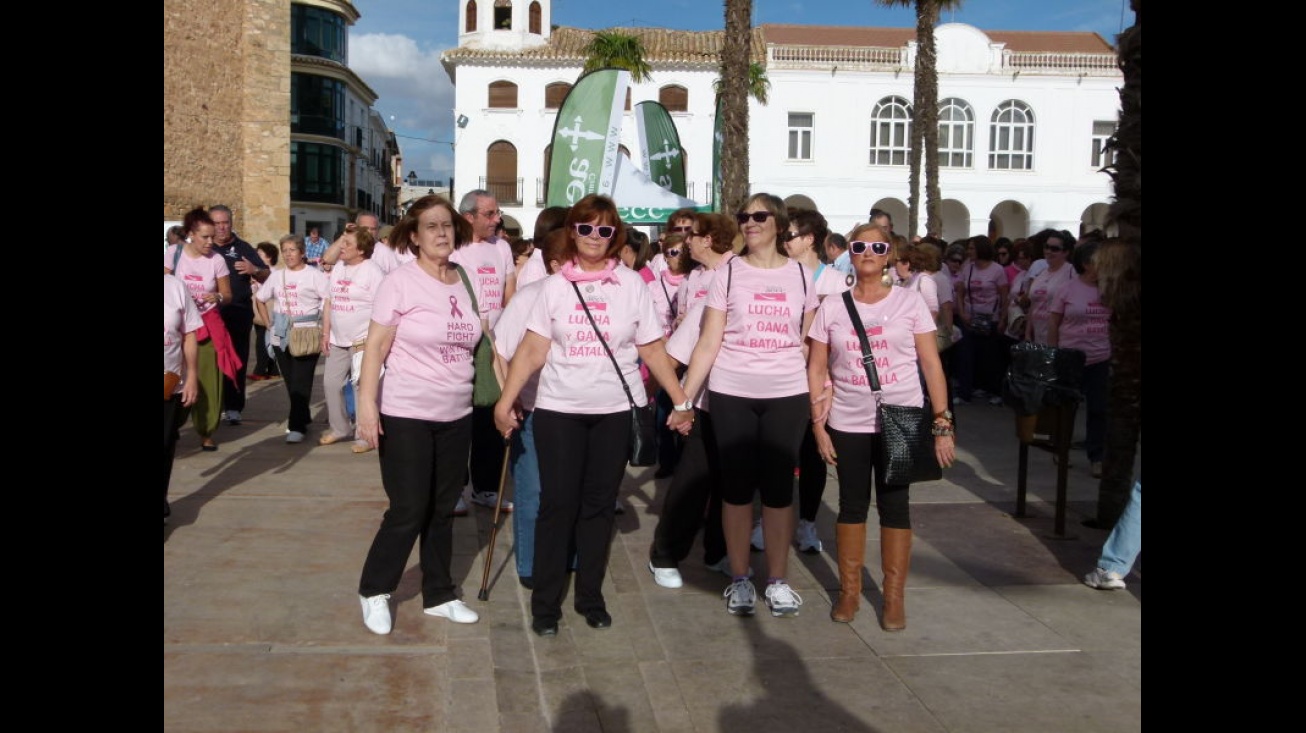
859,455
758,439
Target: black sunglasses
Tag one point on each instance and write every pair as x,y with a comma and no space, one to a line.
860,247
605,231
681,230
757,216
673,253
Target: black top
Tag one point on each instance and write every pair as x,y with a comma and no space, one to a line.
236,250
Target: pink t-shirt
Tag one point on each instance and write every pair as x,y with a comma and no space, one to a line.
680,346
489,265
1041,292
761,351
944,283
199,274
511,329
922,283
694,287
389,259
1084,321
983,284
298,293
533,270
891,325
579,377
428,372
353,288
832,281
664,296
180,317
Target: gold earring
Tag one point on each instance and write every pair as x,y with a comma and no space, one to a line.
886,278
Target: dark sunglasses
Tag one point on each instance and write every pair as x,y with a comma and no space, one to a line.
859,247
673,253
681,230
1053,248
757,216
605,231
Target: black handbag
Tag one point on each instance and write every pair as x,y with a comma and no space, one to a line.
906,440
643,420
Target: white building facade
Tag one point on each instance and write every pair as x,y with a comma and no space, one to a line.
1023,117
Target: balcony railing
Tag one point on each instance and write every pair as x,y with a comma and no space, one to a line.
871,58
1060,63
507,190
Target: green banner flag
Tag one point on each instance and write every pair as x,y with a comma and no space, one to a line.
586,136
664,158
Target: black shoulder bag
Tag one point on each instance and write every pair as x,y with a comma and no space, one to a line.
906,441
643,420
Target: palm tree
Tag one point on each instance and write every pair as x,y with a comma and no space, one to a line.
617,50
759,86
925,113
736,50
1120,281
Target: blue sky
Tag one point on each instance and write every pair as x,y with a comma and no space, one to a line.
395,46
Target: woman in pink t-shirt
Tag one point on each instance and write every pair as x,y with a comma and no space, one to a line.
181,320
981,297
592,313
300,292
1077,319
424,329
900,330
757,312
1044,286
346,315
208,280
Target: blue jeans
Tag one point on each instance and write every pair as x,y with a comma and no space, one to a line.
525,467
349,400
1126,538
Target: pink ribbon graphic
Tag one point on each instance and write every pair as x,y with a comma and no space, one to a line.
455,312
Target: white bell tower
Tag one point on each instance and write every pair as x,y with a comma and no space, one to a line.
504,24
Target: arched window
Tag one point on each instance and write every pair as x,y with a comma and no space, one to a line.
673,96
555,93
890,131
1011,137
503,95
956,134
503,15
534,22
469,26
501,172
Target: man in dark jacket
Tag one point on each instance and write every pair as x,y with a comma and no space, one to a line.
238,315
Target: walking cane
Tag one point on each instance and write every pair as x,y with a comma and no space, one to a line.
484,595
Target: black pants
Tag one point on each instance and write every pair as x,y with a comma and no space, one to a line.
297,373
582,463
239,322
693,501
486,465
811,476
859,457
264,366
759,440
173,418
422,465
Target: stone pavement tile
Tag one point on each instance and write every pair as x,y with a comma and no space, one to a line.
664,694
251,689
1091,619
472,708
1068,692
961,620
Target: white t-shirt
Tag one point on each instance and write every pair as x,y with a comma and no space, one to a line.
533,270
389,259
511,329
298,293
578,376
891,325
761,350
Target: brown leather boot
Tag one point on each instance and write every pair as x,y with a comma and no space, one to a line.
850,546
895,556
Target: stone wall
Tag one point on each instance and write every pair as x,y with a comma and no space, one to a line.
226,111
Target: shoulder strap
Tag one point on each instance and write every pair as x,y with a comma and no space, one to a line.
603,341
176,257
868,360
730,269
670,301
468,283
803,276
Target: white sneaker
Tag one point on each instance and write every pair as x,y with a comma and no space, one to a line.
782,600
723,566
759,544
995,400
294,436
1104,580
456,611
490,499
666,577
741,597
376,613
460,509
806,538
232,417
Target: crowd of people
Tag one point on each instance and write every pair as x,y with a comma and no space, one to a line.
724,322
